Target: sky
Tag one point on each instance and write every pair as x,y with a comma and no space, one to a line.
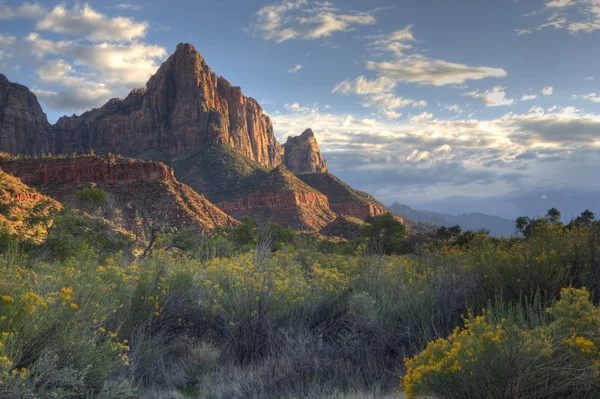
452,106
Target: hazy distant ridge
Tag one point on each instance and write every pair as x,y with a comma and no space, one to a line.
497,226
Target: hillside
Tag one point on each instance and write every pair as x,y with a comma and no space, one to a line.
499,227
19,202
281,197
136,189
345,200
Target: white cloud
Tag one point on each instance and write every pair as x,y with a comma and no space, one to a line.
6,41
547,91
26,10
83,21
593,97
91,58
295,69
308,20
559,3
452,108
544,197
585,17
425,116
491,98
536,110
378,93
417,68
589,78
396,42
128,6
327,23
363,86
528,97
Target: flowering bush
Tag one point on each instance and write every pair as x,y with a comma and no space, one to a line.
491,357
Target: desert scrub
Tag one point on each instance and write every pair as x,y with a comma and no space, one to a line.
497,357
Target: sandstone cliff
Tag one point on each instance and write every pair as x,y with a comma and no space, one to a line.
184,107
344,200
134,188
302,154
23,125
281,197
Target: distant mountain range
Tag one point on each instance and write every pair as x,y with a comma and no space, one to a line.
497,226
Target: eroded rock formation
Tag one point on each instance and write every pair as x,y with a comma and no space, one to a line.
23,125
281,197
184,107
302,154
134,188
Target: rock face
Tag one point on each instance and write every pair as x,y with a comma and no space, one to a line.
343,199
302,154
23,125
133,187
282,198
184,107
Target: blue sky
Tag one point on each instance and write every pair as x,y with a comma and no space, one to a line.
455,106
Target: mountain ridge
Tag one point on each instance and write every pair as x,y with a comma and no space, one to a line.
498,226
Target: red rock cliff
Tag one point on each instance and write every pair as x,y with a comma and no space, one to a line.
184,107
86,170
132,186
302,154
24,128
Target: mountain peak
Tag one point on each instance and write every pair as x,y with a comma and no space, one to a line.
302,154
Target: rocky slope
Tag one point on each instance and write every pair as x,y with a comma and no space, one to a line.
280,197
135,189
23,125
345,200
302,154
18,202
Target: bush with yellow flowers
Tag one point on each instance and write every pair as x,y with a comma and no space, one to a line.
500,357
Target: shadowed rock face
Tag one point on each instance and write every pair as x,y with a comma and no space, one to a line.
23,125
302,154
184,107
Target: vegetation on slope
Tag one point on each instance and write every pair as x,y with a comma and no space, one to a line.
219,172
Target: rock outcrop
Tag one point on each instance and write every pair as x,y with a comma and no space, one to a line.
184,107
281,197
344,200
134,188
24,127
302,154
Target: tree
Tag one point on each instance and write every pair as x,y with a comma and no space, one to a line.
93,196
384,234
274,236
244,234
553,215
586,218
